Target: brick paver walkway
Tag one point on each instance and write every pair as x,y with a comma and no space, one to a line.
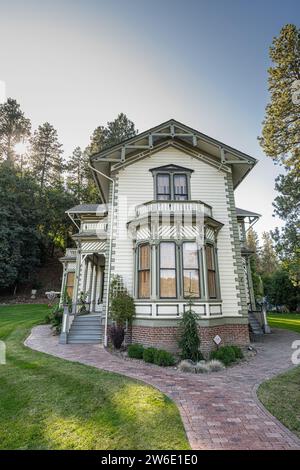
219,410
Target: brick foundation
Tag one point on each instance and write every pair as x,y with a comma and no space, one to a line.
167,337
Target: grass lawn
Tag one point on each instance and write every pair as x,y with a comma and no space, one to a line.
281,395
290,321
50,403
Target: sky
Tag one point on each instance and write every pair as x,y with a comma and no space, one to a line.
78,64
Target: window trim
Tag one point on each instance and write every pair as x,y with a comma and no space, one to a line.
143,270
171,171
191,269
215,271
167,269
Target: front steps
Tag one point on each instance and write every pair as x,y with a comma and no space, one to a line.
254,325
86,329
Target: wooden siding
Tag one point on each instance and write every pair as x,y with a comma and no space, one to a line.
207,184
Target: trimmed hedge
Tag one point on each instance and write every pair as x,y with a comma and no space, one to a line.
148,355
227,354
160,357
135,351
163,358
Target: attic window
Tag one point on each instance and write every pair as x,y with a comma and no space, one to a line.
171,182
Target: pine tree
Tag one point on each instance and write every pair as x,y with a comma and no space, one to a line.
14,128
46,156
115,132
268,258
255,263
76,172
280,138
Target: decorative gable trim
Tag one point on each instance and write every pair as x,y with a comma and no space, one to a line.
171,168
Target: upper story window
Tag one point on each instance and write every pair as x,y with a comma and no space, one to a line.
144,271
172,183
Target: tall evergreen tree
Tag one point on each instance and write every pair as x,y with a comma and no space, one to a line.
115,132
14,128
280,138
253,244
268,258
46,156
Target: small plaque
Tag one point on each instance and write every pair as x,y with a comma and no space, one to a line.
217,340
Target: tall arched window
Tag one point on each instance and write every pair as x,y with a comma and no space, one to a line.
211,271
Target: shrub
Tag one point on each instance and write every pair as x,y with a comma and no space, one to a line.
237,352
116,334
148,355
54,317
135,351
163,358
224,354
189,341
201,367
187,366
122,306
214,365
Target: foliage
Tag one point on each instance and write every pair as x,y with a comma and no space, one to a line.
83,308
39,392
268,258
46,156
189,342
115,132
148,355
122,308
116,334
281,127
54,317
287,239
163,358
280,290
14,128
135,351
227,354
20,240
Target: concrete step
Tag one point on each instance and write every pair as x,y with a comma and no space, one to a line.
86,341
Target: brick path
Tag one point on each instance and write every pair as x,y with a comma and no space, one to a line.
219,410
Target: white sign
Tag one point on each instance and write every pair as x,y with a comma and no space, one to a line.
217,340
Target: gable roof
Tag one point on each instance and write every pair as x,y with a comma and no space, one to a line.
173,132
246,213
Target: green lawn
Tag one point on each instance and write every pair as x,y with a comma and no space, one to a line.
281,395
50,403
290,321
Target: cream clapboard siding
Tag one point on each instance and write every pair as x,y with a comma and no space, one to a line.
207,184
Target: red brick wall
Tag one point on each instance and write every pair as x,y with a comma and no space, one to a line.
166,337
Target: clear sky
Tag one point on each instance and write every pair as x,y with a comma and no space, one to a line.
77,64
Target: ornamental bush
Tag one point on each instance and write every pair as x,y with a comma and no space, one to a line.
135,351
116,334
237,352
148,355
224,354
122,308
189,341
163,358
54,317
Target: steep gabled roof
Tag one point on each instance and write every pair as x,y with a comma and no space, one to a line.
172,132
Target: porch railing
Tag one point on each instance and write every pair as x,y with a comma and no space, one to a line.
173,207
94,226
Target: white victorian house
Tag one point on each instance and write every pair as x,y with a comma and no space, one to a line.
168,225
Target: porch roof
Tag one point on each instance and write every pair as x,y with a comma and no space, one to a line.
88,209
246,213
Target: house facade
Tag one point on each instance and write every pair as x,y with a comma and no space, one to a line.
167,224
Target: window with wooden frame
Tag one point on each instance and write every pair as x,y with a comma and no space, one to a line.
144,271
163,187
70,283
180,187
190,266
211,271
167,270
